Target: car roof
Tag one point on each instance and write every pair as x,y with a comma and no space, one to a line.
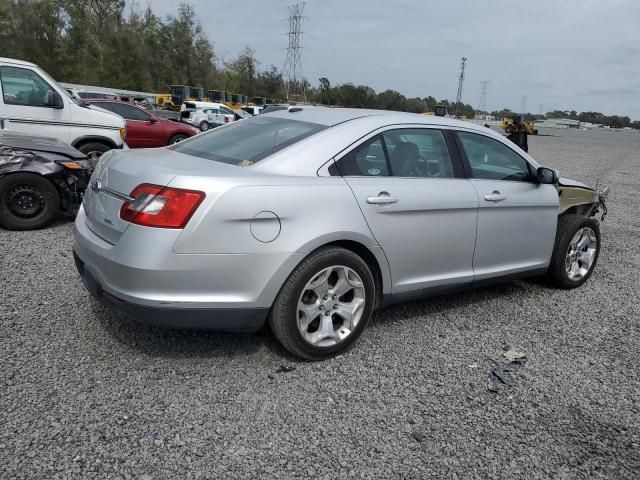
331,116
15,61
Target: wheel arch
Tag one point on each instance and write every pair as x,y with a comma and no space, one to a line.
583,209
93,138
371,254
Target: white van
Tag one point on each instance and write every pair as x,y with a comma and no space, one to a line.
32,102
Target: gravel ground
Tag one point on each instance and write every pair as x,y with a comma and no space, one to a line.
89,394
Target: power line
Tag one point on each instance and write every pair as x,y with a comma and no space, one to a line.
482,104
460,80
292,71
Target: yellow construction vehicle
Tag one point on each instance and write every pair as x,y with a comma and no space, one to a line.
162,99
515,124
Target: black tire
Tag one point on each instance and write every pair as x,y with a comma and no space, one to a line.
568,226
204,126
94,150
28,201
178,137
283,317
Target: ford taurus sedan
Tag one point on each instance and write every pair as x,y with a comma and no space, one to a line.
310,218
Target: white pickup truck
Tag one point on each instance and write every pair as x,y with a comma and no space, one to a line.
32,102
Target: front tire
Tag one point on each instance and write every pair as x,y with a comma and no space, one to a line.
575,252
27,201
178,137
94,151
324,305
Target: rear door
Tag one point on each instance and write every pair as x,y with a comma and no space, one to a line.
517,216
420,208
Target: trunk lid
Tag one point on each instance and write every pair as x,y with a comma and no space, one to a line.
119,172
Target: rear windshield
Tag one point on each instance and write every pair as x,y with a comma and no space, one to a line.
246,142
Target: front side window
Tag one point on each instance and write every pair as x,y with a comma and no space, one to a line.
247,142
366,160
125,111
418,152
24,87
492,160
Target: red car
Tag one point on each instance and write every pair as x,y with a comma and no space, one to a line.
144,129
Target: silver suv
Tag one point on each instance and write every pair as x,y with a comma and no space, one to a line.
313,217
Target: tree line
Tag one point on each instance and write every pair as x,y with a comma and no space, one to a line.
110,44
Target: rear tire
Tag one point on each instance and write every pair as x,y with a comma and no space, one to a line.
204,126
575,252
27,201
337,318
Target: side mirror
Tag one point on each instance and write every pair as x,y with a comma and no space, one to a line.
153,120
547,175
54,100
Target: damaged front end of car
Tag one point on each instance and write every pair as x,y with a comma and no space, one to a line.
577,198
64,166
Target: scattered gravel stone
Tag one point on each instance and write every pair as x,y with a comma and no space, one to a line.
70,369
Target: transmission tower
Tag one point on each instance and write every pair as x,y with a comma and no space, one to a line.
482,104
292,71
460,80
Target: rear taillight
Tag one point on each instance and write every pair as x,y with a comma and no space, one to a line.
161,207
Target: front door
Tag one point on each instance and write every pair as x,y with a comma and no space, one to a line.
418,206
517,216
25,105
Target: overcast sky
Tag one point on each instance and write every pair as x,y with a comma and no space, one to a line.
564,54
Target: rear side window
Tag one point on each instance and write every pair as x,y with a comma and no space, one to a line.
249,141
492,160
367,160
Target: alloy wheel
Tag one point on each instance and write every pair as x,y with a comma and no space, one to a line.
330,306
581,254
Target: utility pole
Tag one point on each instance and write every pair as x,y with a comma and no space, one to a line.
524,105
292,71
482,104
460,80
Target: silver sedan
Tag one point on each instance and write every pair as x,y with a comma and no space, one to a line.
310,218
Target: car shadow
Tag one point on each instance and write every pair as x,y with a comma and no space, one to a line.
174,343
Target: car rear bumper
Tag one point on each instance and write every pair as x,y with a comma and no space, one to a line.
222,319
141,276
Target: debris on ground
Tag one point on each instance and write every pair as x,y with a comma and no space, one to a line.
500,374
285,369
419,436
512,354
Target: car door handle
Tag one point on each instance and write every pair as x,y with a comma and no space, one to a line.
383,198
495,196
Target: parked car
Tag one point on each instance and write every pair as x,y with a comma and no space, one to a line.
206,115
206,118
275,107
145,129
313,217
252,109
33,103
39,179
